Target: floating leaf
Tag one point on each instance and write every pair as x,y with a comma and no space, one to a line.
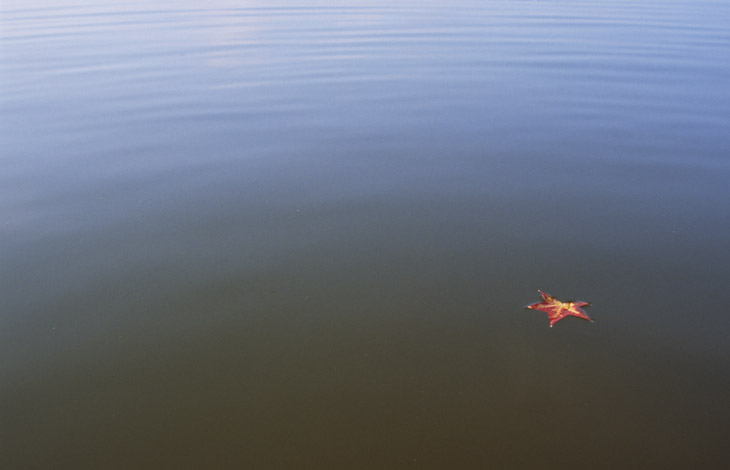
558,310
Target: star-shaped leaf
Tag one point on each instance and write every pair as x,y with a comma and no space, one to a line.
558,310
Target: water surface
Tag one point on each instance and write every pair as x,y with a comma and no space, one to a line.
302,234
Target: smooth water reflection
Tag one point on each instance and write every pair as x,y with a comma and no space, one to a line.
301,235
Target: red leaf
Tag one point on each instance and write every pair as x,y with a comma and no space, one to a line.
558,310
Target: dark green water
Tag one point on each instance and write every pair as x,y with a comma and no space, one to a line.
301,234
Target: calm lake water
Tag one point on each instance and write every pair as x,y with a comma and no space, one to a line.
301,234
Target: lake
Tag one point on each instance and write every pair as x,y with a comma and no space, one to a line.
302,234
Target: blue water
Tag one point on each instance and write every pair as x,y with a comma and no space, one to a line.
301,234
